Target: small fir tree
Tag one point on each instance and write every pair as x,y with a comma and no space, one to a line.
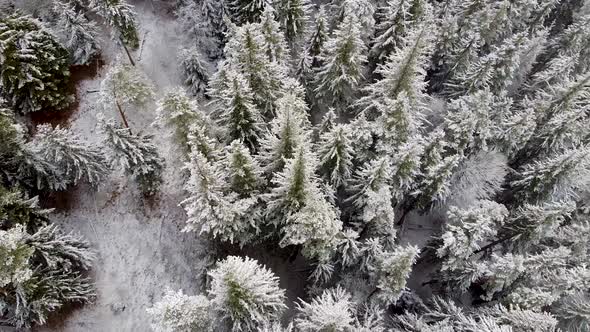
194,70
333,310
237,113
343,60
135,154
177,312
336,155
245,293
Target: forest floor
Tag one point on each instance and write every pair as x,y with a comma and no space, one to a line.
141,250
140,247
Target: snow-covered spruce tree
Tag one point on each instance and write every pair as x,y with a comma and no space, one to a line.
33,65
212,208
135,154
394,21
403,72
363,10
496,71
471,122
333,310
558,118
394,270
466,230
371,194
124,86
178,312
179,112
246,11
560,176
216,13
74,159
246,49
121,17
244,173
275,44
343,59
336,153
40,269
290,129
574,311
445,315
194,70
293,16
77,34
297,206
237,114
15,254
245,294
317,40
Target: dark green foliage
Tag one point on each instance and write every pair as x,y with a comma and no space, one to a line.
33,65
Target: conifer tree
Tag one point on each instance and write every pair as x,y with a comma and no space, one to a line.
245,293
467,229
125,85
275,44
215,13
363,10
404,71
395,269
293,16
15,254
333,310
395,20
121,17
75,159
178,111
244,173
194,70
211,208
135,154
558,177
248,56
371,192
237,113
317,40
558,114
33,65
246,11
336,155
289,131
78,34
178,312
343,60
293,187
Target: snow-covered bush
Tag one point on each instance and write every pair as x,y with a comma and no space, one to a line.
245,293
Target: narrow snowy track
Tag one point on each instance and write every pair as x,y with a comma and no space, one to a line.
141,250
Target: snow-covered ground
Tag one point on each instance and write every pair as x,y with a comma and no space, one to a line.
141,250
